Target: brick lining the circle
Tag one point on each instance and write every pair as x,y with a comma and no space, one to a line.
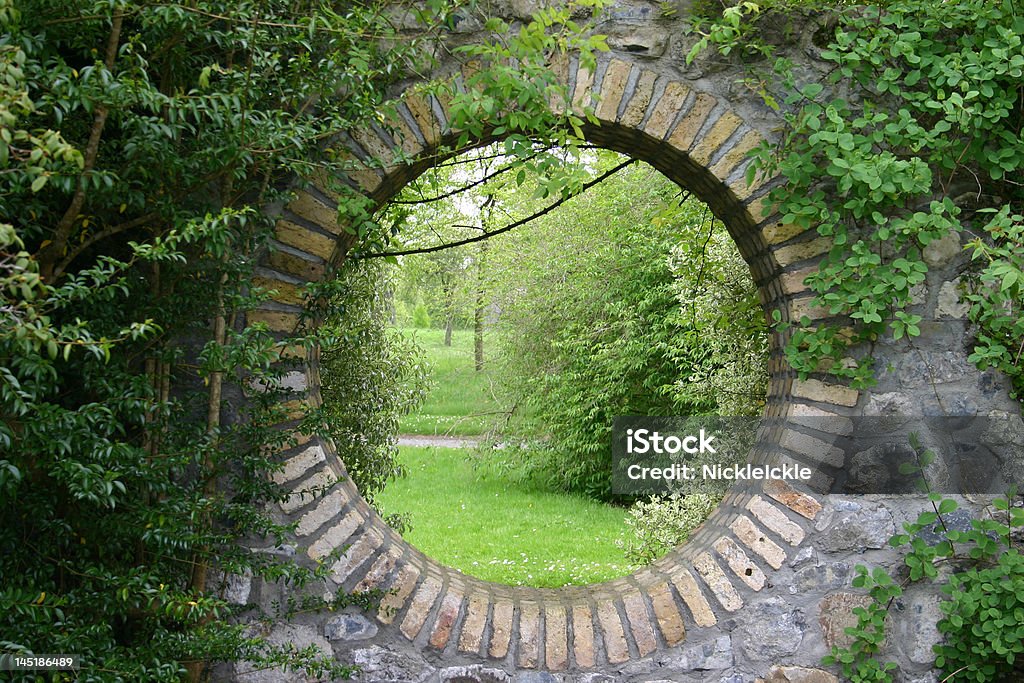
697,140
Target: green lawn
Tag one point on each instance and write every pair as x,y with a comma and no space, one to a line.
502,532
461,396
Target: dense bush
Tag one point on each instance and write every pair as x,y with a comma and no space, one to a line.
661,523
628,302
983,628
139,143
371,375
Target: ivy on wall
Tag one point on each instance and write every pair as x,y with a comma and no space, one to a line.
914,135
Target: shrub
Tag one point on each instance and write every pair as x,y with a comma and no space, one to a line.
663,522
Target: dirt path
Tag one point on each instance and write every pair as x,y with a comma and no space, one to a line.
422,440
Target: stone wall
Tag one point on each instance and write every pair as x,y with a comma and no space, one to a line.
762,589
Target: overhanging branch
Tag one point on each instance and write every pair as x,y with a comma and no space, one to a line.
511,226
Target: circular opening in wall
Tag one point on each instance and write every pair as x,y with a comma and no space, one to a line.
527,301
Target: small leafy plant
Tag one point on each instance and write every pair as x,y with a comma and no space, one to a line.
983,627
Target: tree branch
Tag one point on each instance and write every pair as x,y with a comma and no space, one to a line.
58,270
55,250
464,188
548,209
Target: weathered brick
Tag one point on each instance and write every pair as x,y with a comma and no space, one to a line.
612,87
292,264
685,132
374,146
309,207
804,306
336,536
356,170
798,502
300,237
451,603
295,380
583,636
777,233
816,390
559,66
670,621
614,637
814,448
799,674
801,251
403,134
501,629
422,112
819,481
776,520
422,602
308,490
668,105
751,536
637,107
639,623
761,208
298,465
718,582
691,594
528,649
721,130
285,292
380,569
358,553
584,89
400,591
474,623
821,420
736,155
295,409
741,565
793,283
556,649
322,513
276,321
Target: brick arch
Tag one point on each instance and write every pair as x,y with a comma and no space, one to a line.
699,140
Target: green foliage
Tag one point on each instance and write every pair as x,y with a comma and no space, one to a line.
661,523
982,624
371,376
605,319
996,294
420,316
933,111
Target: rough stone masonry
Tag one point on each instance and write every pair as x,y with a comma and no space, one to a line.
762,590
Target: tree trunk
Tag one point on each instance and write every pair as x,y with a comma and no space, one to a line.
448,331
478,308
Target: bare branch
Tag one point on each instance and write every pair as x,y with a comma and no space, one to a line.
511,226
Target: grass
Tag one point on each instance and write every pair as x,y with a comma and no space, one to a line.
489,528
461,397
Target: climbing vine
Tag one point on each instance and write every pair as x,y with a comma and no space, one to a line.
983,635
915,135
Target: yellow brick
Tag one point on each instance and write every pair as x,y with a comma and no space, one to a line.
612,87
686,130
